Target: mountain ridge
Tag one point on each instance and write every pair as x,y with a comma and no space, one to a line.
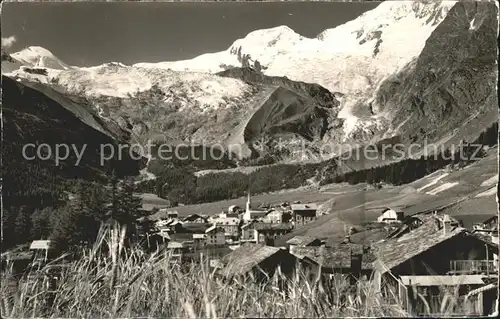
378,98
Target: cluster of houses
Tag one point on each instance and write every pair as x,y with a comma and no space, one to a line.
424,263
427,264
230,228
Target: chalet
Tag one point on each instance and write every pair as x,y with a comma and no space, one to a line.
268,231
232,212
42,250
16,261
177,250
172,225
423,263
414,221
199,240
248,232
230,225
195,218
259,262
233,209
214,236
156,240
304,241
277,216
172,214
491,223
151,203
347,262
390,216
487,227
303,213
193,228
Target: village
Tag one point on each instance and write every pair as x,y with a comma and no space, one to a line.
422,258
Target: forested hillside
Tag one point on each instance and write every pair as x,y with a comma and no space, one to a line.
29,185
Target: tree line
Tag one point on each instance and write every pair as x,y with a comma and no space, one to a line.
180,185
409,170
76,222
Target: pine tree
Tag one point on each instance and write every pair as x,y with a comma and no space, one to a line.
65,230
127,207
22,226
40,224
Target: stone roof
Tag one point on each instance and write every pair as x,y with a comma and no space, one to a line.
233,221
327,257
301,240
41,244
395,251
273,226
310,206
244,258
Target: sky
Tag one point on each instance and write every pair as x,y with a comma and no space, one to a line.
86,34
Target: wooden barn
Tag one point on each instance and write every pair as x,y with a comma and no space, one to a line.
427,265
257,262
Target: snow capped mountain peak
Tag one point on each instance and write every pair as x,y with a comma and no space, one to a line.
36,56
273,37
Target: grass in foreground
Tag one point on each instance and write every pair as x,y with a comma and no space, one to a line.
111,281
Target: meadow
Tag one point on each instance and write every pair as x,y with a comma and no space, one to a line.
110,280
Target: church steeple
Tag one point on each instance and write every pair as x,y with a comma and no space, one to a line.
249,202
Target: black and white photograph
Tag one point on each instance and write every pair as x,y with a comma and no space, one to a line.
249,159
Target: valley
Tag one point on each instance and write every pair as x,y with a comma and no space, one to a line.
218,165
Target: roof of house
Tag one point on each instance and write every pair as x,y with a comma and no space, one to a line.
369,236
248,224
442,280
174,244
244,258
181,237
41,244
19,255
193,217
213,228
273,226
485,239
310,206
328,257
387,209
395,251
301,240
490,219
198,236
162,234
233,221
196,227
258,212
423,217
275,210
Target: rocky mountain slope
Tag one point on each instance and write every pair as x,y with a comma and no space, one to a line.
186,107
352,58
49,120
450,86
362,82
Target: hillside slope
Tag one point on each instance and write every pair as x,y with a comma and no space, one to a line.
185,107
460,193
352,58
451,86
32,117
363,82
